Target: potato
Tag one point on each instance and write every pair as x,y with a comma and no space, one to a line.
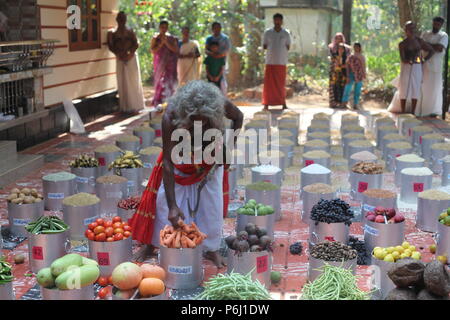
15,190
37,200
28,200
17,201
12,196
22,195
40,196
26,191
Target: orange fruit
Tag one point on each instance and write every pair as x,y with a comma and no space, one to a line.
151,287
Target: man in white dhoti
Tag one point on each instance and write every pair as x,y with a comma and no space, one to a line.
173,184
432,85
411,68
123,43
189,64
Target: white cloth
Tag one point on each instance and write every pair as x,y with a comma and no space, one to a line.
131,94
209,217
189,68
410,81
277,42
432,85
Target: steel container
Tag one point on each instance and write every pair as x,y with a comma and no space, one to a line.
310,200
384,144
380,281
134,146
125,214
349,129
267,222
280,161
437,161
232,181
318,129
426,147
322,231
85,293
258,263
353,162
428,211
184,269
110,194
110,254
85,179
310,178
288,151
445,174
149,162
145,138
406,128
443,241
266,197
320,122
326,139
411,186
345,144
56,191
392,154
43,249
381,132
272,177
295,133
383,235
381,122
135,179
417,138
104,160
325,162
157,125
370,203
314,148
7,291
315,265
355,149
19,215
361,182
400,165
78,218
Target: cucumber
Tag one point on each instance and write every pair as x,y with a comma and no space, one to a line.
45,278
77,277
87,261
61,264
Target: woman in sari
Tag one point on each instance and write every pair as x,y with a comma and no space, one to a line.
189,65
165,54
339,52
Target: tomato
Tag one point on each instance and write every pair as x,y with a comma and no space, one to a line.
117,219
109,239
127,234
92,225
100,237
118,237
99,229
126,228
100,221
109,231
88,232
108,224
110,280
104,292
102,281
91,236
118,230
117,225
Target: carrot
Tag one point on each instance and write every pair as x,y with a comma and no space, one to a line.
169,240
191,236
198,240
193,225
184,243
178,240
190,243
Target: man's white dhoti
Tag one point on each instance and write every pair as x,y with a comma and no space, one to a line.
131,94
209,217
410,81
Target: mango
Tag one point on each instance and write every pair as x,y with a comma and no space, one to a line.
45,278
78,277
60,265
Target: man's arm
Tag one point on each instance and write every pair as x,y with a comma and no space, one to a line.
110,42
401,48
427,47
233,113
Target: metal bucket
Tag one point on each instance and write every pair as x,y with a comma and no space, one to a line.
369,204
183,267
313,148
353,149
411,186
310,200
232,181
381,283
325,162
361,182
273,178
436,160
134,146
417,137
258,262
346,142
78,218
110,194
280,160
163,296
400,165
157,125
135,179
445,174
385,142
19,215
7,291
288,152
294,132
392,154
268,198
85,293
320,122
406,128
381,132
353,162
267,222
428,211
56,191
443,241
383,235
43,249
310,178
382,122
318,129
323,231
145,138
426,147
104,160
315,264
85,179
125,214
149,162
326,139
110,254
349,129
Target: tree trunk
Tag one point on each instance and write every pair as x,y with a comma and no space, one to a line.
347,20
254,29
405,11
234,76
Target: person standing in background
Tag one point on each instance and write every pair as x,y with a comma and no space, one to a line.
224,49
432,84
277,42
123,43
215,66
356,74
165,56
189,65
336,88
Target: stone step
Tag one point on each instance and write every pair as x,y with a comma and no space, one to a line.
8,150
11,171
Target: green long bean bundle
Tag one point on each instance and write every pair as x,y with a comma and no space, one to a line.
5,271
234,286
46,225
335,283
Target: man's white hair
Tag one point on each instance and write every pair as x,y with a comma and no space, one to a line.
198,98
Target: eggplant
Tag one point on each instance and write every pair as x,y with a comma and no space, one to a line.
250,228
243,246
265,242
230,240
243,235
261,232
255,248
253,240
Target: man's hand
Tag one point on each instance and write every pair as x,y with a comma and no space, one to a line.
175,214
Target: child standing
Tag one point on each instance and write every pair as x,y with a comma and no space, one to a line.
356,74
215,66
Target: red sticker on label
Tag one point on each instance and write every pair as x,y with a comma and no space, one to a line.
418,187
362,186
158,133
103,258
309,162
262,264
38,253
140,140
420,139
409,132
102,162
268,181
397,155
330,239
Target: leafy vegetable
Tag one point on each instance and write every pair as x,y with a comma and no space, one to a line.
5,271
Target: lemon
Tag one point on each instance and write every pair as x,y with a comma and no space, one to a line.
377,248
405,245
380,254
442,259
433,248
389,258
390,249
403,256
416,255
443,215
396,255
412,248
408,252
400,249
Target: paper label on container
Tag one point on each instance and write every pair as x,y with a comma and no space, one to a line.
409,132
55,196
418,187
448,176
262,264
38,253
290,154
102,161
309,162
103,258
21,222
370,230
180,269
88,221
140,140
420,140
82,180
114,195
147,165
158,133
362,186
130,183
367,207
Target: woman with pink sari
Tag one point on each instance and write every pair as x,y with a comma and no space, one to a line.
165,55
337,69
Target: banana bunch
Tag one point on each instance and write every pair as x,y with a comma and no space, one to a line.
84,161
128,160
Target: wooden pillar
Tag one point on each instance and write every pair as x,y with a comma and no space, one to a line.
347,20
445,93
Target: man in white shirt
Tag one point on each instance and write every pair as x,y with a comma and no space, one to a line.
432,85
277,42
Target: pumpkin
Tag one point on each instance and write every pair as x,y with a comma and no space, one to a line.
153,271
126,276
151,287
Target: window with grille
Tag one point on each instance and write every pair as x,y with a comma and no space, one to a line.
88,36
